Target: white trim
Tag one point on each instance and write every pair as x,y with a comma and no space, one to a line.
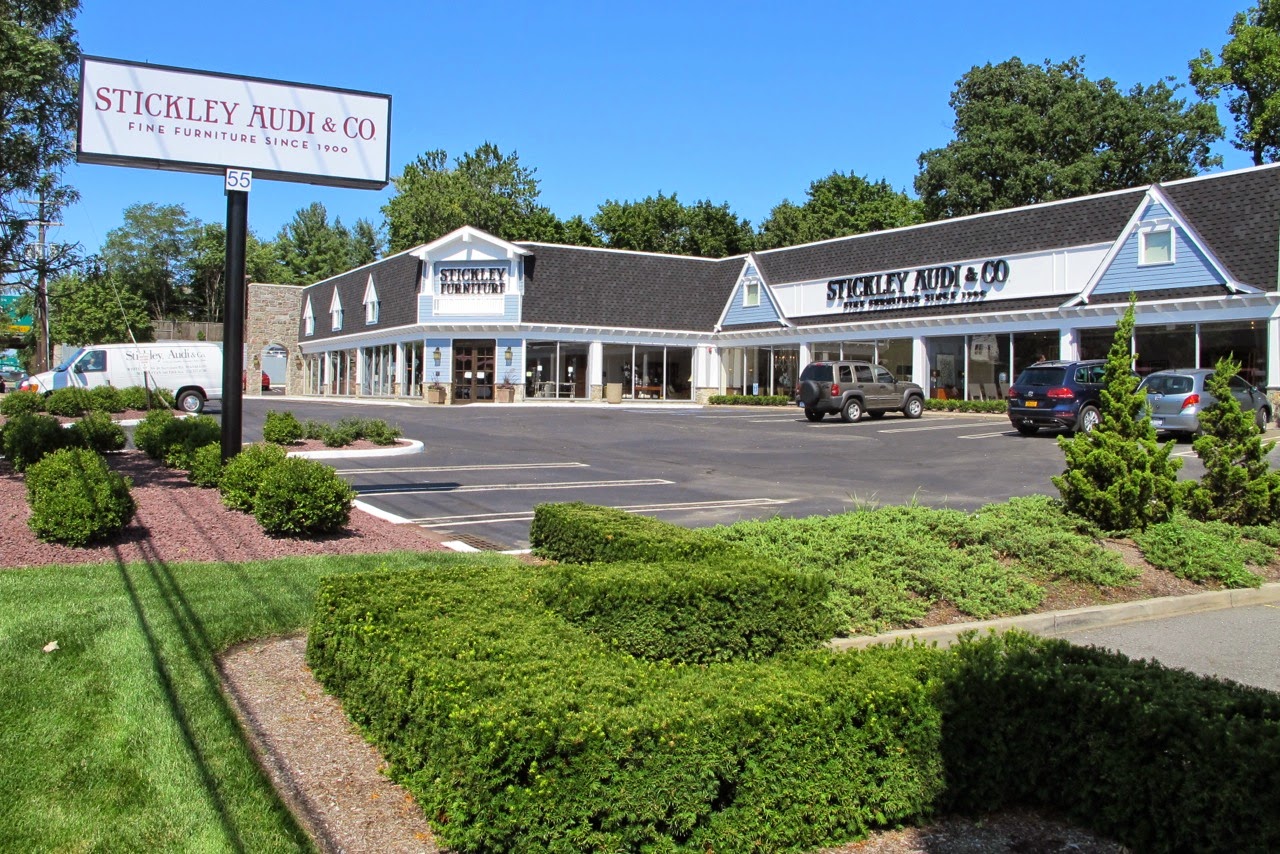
372,306
1145,232
308,319
335,312
745,285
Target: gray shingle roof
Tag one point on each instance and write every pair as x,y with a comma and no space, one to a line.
1238,215
595,287
396,280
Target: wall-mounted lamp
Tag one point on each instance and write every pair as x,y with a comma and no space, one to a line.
435,354
507,355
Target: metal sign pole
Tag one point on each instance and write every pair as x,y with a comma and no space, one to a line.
237,186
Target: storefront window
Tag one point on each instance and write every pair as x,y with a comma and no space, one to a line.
540,370
1160,347
988,367
733,364
313,374
1032,347
946,367
1096,343
378,370
340,372
413,352
896,355
557,369
1245,341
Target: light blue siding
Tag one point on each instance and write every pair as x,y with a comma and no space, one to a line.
510,312
765,312
443,372
1155,210
1190,267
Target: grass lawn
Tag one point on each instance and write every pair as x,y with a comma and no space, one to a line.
121,739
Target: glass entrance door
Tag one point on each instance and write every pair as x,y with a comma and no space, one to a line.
473,364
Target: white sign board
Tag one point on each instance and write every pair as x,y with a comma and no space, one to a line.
135,114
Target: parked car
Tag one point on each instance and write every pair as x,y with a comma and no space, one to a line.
852,388
1176,397
1060,394
12,378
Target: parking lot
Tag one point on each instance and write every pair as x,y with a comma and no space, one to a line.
485,467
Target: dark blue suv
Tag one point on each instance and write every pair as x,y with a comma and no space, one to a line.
1057,395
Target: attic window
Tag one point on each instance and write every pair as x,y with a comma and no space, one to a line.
1155,246
372,306
335,312
750,294
308,320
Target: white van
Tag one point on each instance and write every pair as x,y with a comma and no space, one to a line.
192,370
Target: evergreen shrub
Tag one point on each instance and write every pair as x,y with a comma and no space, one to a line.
243,474
300,497
583,533
136,397
1205,551
27,438
750,400
313,429
69,402
281,428
517,731
206,465
17,403
75,499
694,613
97,432
163,436
1155,758
148,435
105,398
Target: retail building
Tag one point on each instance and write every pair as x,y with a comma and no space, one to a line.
959,306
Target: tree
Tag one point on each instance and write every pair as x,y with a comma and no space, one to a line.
1118,476
663,224
484,189
367,243
38,64
150,255
208,264
1249,68
311,249
1238,486
839,205
93,309
1030,133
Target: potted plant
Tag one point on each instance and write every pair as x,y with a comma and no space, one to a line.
505,391
435,391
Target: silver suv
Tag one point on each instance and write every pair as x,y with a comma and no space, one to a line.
852,388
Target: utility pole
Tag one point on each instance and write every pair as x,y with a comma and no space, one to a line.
44,353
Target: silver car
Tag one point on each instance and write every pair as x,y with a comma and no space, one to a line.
1176,397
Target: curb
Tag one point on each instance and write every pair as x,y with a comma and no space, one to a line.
1060,622
404,448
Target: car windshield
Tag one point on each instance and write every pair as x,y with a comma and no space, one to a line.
66,363
1168,384
817,373
1042,377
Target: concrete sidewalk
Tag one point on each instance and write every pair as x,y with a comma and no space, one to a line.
1054,623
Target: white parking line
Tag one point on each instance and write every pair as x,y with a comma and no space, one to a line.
958,425
987,435
491,467
527,515
511,487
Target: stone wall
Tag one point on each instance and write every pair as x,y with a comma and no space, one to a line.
274,314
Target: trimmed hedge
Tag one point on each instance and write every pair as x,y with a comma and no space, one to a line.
75,499
136,397
28,438
1156,758
17,403
517,731
243,474
994,406
206,466
299,497
281,428
97,432
172,440
750,400
70,402
726,610
584,533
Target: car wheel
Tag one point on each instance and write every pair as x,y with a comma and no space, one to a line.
814,415
1028,429
1089,418
1261,418
852,411
876,413
914,407
191,401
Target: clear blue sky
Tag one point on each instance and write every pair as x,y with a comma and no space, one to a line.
743,103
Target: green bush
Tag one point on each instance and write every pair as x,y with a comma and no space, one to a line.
243,474
281,428
583,533
17,403
206,465
379,432
991,406
300,497
694,613
149,433
350,430
338,437
75,499
1155,758
97,432
69,402
517,731
163,436
105,398
27,438
1118,476
135,397
312,429
750,400
1204,551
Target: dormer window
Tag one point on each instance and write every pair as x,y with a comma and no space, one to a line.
1155,246
750,293
308,319
335,311
372,307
